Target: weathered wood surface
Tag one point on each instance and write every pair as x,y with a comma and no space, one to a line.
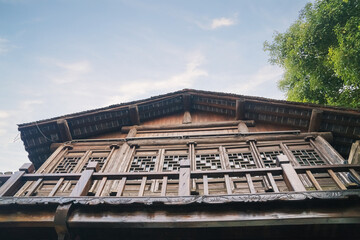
315,120
289,174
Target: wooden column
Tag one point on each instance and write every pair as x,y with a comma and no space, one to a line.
134,115
315,120
290,176
83,185
240,109
64,129
184,178
13,183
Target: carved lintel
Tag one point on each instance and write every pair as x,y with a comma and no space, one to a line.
134,115
184,200
315,120
64,130
240,109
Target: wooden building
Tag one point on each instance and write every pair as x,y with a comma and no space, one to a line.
187,165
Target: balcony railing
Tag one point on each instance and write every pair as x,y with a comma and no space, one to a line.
293,177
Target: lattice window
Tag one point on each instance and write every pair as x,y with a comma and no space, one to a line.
172,163
241,160
206,162
67,164
143,164
308,157
269,158
101,160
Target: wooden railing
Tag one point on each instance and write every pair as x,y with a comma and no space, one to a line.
285,171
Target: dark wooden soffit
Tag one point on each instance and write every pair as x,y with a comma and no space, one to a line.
343,123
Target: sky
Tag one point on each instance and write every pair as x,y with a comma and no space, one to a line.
61,57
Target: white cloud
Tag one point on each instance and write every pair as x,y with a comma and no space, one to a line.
4,114
250,83
185,79
65,72
221,22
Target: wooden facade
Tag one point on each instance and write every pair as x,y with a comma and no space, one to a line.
189,164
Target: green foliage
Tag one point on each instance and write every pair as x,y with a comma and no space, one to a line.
320,53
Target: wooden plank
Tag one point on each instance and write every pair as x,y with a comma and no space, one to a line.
83,185
272,182
313,180
355,174
249,123
186,118
206,185
134,115
34,187
228,184
132,133
250,183
65,134
240,109
315,120
325,148
101,187
290,176
142,186
121,187
242,128
13,183
56,187
164,186
184,178
336,180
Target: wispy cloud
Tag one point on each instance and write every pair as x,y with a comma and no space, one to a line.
4,114
181,80
250,83
67,72
4,46
221,22
216,23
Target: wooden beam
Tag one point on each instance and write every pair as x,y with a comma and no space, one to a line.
249,123
15,181
64,130
134,115
240,109
290,176
187,117
187,101
83,185
184,178
315,120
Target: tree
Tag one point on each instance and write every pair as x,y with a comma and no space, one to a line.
320,53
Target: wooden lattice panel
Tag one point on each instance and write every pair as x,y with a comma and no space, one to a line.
99,157
241,160
205,162
67,164
143,164
308,157
269,158
172,162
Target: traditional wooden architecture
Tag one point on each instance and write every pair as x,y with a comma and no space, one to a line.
188,164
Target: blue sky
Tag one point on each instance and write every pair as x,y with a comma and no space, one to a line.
60,57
